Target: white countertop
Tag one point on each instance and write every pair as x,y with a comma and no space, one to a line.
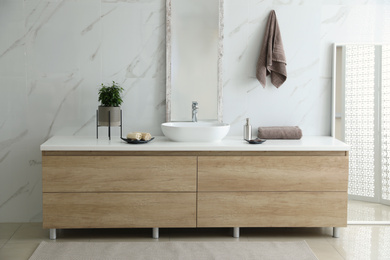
161,143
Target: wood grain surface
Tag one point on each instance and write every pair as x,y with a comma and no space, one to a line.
273,173
118,173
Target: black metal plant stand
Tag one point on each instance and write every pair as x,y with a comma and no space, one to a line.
109,124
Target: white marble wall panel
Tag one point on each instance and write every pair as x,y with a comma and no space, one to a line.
54,54
295,102
12,59
13,116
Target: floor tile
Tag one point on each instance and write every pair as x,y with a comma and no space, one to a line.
363,242
323,249
30,232
316,238
8,229
367,211
18,251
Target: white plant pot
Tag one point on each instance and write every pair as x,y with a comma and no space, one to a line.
115,116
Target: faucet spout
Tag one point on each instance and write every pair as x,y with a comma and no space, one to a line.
195,108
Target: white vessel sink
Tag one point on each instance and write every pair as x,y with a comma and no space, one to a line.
195,131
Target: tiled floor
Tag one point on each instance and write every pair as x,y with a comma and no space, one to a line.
366,211
18,241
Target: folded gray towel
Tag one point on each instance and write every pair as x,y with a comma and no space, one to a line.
280,132
272,59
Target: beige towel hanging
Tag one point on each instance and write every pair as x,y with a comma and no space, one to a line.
272,59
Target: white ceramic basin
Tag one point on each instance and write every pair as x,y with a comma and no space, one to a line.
195,131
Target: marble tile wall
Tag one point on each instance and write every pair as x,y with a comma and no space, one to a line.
308,28
54,54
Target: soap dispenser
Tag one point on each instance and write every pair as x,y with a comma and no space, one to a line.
247,130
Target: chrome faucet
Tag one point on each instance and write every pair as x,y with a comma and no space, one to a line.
195,108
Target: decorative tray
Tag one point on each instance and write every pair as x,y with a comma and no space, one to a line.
134,141
255,141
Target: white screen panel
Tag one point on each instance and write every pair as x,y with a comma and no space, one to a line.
385,104
359,118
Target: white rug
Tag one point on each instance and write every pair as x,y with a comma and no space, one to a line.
173,250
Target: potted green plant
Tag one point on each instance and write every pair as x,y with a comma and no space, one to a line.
110,99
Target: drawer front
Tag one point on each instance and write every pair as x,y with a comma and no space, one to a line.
119,210
118,173
272,209
273,173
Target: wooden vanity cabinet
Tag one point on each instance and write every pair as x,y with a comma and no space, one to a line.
194,189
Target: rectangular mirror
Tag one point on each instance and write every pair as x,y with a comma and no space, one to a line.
194,53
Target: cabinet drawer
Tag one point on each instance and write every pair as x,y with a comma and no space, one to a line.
273,173
118,173
119,210
272,209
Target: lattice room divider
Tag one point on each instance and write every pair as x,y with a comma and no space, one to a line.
367,120
385,105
